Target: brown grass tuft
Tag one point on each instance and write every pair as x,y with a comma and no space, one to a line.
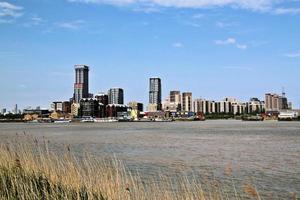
251,191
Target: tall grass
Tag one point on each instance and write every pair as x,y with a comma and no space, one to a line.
30,171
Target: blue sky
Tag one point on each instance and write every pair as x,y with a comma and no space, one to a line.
215,48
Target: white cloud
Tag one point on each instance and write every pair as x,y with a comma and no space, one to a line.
147,10
225,42
34,21
270,6
198,16
73,25
293,55
246,4
177,45
231,41
282,11
8,12
242,46
226,24
113,2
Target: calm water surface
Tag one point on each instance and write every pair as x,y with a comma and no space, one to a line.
266,154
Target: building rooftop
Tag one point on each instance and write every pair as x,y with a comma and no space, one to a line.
154,78
81,67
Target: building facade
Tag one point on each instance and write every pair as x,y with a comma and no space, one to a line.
61,106
155,94
102,98
187,102
75,109
115,96
81,86
116,110
255,106
136,106
90,107
175,100
205,106
275,102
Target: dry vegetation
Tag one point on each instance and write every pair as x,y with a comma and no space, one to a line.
32,171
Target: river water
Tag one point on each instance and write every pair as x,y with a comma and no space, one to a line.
267,154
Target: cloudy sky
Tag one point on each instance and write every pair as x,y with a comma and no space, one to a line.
213,48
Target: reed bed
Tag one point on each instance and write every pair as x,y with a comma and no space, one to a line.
29,171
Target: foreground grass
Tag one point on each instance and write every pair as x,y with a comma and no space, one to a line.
31,171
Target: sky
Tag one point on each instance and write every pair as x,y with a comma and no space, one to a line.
213,48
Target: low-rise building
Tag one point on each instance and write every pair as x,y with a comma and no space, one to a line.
90,107
112,110
61,106
75,109
136,109
153,107
288,115
40,113
136,106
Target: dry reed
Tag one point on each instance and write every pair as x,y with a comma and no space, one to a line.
30,171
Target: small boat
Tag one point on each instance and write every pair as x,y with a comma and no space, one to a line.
33,121
62,121
105,120
163,120
87,120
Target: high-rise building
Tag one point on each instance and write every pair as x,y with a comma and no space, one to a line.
175,99
155,93
275,102
81,86
15,111
187,102
175,96
115,96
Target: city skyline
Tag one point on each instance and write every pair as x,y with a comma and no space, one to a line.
174,101
233,48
